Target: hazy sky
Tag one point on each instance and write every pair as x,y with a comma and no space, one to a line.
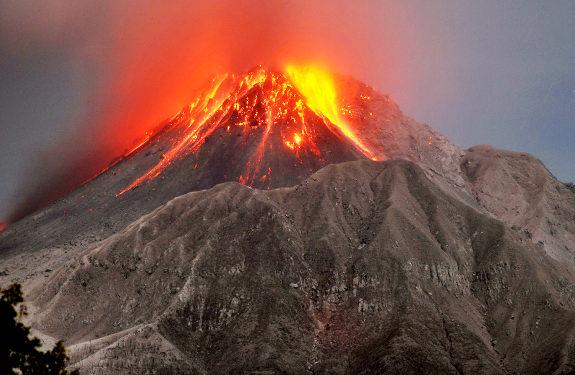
490,71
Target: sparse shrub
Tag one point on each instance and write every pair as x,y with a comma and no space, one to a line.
19,351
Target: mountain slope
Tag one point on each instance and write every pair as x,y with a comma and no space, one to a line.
364,267
520,191
456,261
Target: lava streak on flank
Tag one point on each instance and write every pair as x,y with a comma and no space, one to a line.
269,105
317,86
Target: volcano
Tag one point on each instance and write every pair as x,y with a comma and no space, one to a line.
296,221
263,128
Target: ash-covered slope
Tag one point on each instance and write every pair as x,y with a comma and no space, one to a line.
520,191
365,267
385,129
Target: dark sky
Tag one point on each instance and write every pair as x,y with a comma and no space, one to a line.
485,71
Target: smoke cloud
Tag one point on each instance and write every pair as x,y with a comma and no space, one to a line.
136,62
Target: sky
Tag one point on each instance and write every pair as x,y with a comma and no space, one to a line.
80,80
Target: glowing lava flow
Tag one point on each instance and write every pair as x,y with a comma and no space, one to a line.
258,103
282,107
3,226
318,88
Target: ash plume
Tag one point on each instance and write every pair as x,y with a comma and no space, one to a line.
140,61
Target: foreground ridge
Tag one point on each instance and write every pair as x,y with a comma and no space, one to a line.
364,267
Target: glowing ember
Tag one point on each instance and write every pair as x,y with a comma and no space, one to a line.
295,143
3,226
258,104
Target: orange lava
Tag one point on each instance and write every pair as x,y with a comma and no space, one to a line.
318,87
281,98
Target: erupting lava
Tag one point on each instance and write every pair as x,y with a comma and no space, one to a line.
259,103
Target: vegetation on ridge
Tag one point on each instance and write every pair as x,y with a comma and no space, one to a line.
19,351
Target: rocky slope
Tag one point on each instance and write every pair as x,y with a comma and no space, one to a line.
364,267
520,191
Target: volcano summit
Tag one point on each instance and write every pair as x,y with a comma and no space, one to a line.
296,221
259,122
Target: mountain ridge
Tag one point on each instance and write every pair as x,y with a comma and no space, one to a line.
267,246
